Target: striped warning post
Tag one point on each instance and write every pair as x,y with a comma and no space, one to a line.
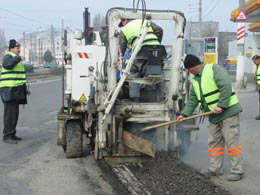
241,33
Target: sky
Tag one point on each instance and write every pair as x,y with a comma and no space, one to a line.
18,16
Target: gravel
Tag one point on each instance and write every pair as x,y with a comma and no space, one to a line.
166,175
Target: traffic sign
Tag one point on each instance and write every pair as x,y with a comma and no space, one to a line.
242,16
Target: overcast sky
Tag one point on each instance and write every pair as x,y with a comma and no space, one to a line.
17,16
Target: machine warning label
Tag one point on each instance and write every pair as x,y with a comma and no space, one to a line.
84,55
83,98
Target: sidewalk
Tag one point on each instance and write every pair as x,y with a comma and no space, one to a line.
251,88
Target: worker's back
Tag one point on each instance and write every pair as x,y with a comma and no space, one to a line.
134,28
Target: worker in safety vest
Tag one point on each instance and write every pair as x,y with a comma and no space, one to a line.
13,90
212,91
256,60
130,31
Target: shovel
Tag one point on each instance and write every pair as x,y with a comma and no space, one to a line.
144,146
139,144
173,122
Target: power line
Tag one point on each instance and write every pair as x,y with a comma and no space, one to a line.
21,16
191,9
15,24
212,8
200,11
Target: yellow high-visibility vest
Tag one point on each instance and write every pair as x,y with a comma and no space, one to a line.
134,28
209,89
14,77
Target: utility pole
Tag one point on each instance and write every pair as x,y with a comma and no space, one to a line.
41,55
62,41
200,17
52,43
241,55
63,64
31,49
39,51
23,43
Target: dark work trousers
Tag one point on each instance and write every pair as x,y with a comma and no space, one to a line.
11,114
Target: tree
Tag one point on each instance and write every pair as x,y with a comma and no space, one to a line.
32,57
48,56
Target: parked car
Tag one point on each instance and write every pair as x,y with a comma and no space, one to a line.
29,68
50,65
36,66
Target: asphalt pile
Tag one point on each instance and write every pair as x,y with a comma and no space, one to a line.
166,175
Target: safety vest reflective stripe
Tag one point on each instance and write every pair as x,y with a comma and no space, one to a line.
13,79
235,148
235,151
13,72
220,151
216,154
209,89
210,149
258,75
148,33
216,101
216,151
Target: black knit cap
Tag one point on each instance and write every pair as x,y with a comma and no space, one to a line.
256,57
13,43
191,61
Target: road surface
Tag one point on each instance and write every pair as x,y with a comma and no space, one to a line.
37,165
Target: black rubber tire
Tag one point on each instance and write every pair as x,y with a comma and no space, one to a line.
73,139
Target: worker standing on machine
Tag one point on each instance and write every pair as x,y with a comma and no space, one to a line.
130,31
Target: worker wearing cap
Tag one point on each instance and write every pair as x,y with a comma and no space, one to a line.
256,60
212,90
13,90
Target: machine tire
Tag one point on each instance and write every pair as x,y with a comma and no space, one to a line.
73,139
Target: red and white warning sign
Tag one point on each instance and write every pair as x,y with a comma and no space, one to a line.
241,33
242,16
83,55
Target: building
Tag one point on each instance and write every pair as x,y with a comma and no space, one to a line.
252,47
223,44
205,29
252,12
195,35
35,44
